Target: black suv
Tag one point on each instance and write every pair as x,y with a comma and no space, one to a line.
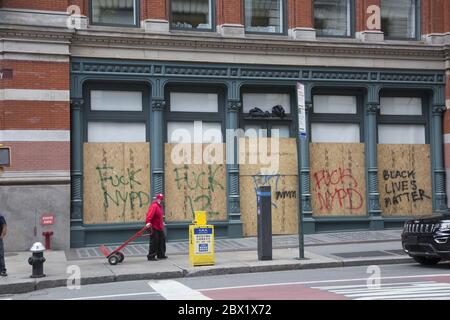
427,239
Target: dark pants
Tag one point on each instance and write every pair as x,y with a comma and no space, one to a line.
2,256
157,246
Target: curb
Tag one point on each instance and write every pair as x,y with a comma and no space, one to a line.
34,285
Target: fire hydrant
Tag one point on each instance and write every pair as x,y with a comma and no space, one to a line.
37,260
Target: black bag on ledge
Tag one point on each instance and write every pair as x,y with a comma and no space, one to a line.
278,111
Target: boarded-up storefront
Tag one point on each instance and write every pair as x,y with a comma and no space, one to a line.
338,183
195,180
116,182
276,167
404,177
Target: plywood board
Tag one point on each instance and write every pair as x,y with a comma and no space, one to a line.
197,184
276,168
284,203
338,183
267,156
404,179
116,182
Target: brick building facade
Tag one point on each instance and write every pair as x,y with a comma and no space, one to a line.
72,61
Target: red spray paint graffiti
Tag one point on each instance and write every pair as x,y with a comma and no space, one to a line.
331,190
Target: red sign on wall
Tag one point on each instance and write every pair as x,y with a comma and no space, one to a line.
47,220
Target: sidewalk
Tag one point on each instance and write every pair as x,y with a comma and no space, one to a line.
334,250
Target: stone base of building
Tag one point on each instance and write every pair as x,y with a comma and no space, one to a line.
25,204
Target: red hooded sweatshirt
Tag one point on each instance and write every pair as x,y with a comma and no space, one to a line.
155,216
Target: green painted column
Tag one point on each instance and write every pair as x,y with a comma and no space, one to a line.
157,145
305,174
76,205
371,131
233,107
437,145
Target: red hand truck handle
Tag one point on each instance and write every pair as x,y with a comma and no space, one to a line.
136,235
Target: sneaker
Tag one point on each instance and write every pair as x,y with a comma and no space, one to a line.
152,259
3,274
163,257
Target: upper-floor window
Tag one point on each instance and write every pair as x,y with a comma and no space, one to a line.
264,16
333,18
114,12
191,14
399,19
337,117
402,119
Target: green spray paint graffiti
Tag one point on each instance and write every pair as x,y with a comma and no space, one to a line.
192,181
111,185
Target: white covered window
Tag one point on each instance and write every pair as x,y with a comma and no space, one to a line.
108,100
401,121
335,104
282,130
335,119
401,134
194,102
194,132
335,132
410,106
116,132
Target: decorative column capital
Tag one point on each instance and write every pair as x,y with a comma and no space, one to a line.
372,107
234,106
439,109
77,103
159,105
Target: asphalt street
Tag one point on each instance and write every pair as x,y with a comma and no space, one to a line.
398,282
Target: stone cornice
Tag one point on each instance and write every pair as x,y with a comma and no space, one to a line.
36,33
268,46
137,38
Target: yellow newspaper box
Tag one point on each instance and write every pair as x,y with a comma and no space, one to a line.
201,241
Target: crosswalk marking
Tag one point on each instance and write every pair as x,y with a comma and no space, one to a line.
393,291
174,290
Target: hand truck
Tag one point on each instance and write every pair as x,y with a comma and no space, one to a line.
116,256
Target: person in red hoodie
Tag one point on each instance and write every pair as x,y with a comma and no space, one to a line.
154,220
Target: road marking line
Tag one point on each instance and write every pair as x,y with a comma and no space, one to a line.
364,286
426,290
115,296
327,281
174,290
390,289
399,291
410,296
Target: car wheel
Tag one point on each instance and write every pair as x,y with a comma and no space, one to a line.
427,261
